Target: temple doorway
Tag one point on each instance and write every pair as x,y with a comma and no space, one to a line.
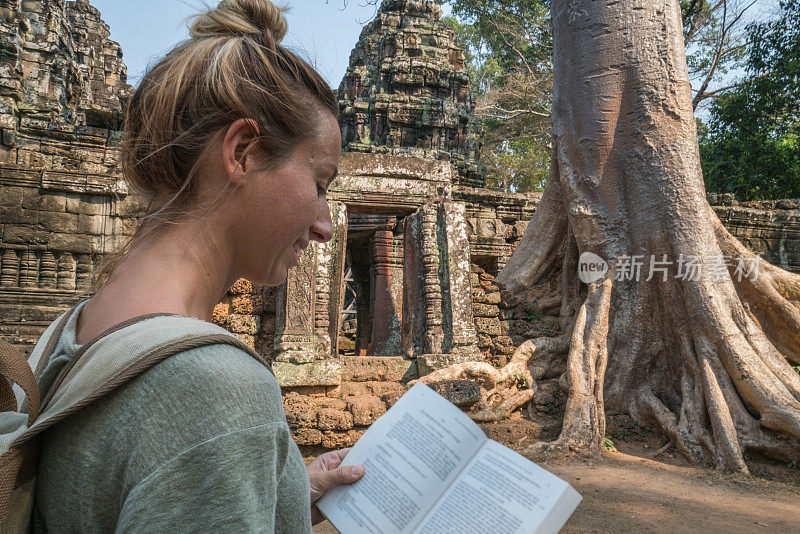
371,320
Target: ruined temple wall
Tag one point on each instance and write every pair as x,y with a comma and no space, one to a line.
770,228
62,205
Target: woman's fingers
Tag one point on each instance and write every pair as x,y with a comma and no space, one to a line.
322,481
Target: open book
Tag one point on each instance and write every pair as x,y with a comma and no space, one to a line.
430,469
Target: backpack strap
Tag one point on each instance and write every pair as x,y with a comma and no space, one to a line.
108,361
14,368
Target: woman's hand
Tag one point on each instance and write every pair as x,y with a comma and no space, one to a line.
325,472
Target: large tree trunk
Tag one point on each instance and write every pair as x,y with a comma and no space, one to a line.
701,358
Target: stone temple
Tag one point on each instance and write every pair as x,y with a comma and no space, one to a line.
407,282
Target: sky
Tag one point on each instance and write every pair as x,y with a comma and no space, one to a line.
322,32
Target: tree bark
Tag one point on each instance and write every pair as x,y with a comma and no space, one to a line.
702,359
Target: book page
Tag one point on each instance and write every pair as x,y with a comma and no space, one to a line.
411,455
502,492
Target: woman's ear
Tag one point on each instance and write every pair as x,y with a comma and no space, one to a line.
236,159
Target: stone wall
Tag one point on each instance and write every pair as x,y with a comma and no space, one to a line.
770,228
248,310
335,416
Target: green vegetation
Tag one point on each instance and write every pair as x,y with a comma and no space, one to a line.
609,445
532,311
750,146
522,382
633,432
508,48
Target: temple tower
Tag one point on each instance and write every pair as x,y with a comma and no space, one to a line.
406,91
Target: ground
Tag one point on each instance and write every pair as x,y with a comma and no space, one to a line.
628,491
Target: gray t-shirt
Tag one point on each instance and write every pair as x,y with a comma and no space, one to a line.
198,443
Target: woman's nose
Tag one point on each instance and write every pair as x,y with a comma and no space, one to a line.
322,229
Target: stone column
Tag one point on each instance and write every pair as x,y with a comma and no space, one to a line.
329,290
306,300
422,320
387,274
438,295
459,289
296,299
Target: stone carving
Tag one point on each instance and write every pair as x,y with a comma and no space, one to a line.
406,90
62,94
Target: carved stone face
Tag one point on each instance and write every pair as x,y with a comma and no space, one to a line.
288,208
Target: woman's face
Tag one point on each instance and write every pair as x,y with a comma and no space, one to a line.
286,208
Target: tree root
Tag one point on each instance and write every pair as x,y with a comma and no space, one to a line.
584,418
772,298
505,389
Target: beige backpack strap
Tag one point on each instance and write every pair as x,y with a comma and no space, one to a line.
14,368
136,367
90,344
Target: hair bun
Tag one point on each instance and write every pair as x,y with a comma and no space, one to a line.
240,17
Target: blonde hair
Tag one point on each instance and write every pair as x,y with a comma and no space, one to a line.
232,67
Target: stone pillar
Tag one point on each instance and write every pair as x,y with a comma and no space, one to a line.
29,270
437,308
330,292
453,221
387,294
422,320
9,272
304,301
296,299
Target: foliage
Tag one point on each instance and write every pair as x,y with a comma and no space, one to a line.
715,37
509,58
633,432
532,311
750,146
521,381
609,445
509,51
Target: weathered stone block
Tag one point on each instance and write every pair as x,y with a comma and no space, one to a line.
59,222
44,201
220,313
317,373
241,287
485,310
93,224
484,341
366,409
75,243
307,436
332,419
331,402
492,297
301,411
336,439
488,325
366,368
350,389
462,393
244,324
12,196
503,345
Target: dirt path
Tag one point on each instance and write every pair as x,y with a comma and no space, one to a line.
624,493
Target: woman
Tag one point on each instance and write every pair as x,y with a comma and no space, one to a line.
235,142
